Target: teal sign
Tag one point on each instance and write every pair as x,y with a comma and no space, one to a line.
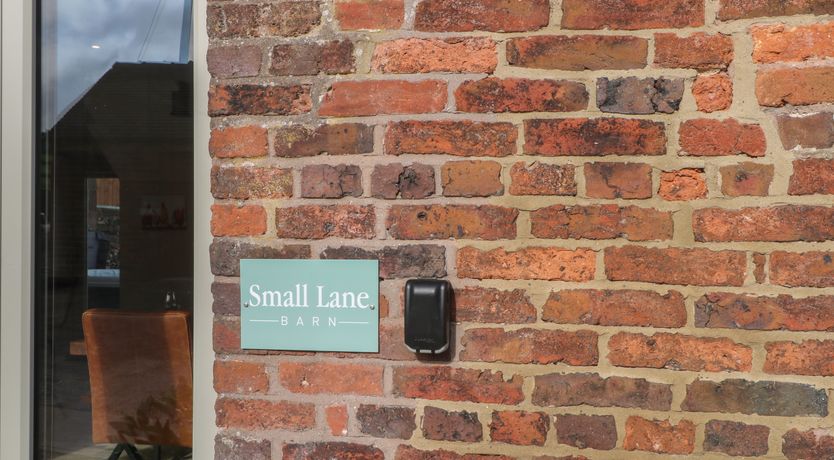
309,305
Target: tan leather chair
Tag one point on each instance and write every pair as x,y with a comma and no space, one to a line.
140,378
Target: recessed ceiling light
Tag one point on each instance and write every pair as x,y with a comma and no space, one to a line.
95,47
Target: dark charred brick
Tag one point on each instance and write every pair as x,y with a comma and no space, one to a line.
331,450
337,139
333,57
807,445
226,254
736,438
288,19
633,95
783,399
234,61
408,261
809,131
395,180
326,181
587,431
248,99
228,447
559,390
442,425
226,298
386,421
783,312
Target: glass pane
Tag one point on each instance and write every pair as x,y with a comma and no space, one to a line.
114,235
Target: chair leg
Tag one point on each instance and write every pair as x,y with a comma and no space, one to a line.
132,452
158,451
117,452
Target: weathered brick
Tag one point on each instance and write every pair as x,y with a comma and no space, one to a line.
631,14
759,262
418,55
683,185
393,180
487,15
778,223
234,61
226,254
633,95
370,14
542,179
386,421
442,425
240,377
235,448
785,399
457,384
587,431
410,453
713,93
812,176
659,436
336,417
558,390
258,414
795,86
486,222
813,268
498,95
742,9
783,312
232,220
746,179
679,352
377,97
489,305
698,51
806,131
237,142
708,137
340,139
331,450
580,52
594,137
545,263
630,181
471,178
459,138
331,181
809,357
599,222
285,19
696,266
781,43
225,334
226,298
736,438
251,99
317,222
530,346
408,261
615,308
519,427
245,182
330,57
322,377
805,445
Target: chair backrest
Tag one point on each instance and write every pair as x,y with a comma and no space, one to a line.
140,376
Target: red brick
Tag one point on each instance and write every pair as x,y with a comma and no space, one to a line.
226,254
519,427
587,431
496,95
258,414
785,399
594,137
386,421
812,176
792,86
746,179
813,268
759,262
370,14
615,308
418,55
457,384
659,436
284,19
736,438
331,450
696,266
544,263
410,453
631,14
707,137
598,222
232,220
487,15
778,223
807,131
698,51
459,138
810,444
781,43
240,377
236,142
542,179
713,93
442,425
742,9
618,180
579,52
634,95
377,97
683,185
234,61
339,139
471,178
319,377
330,57
809,357
485,222
242,183
490,305
530,346
679,352
395,180
783,312
316,222
337,419
406,261
559,390
249,99
331,181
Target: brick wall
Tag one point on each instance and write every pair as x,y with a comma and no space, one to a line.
631,199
